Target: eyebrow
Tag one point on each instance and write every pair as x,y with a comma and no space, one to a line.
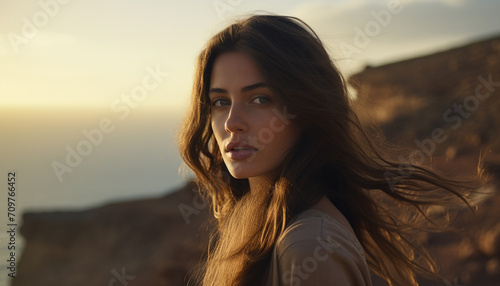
243,89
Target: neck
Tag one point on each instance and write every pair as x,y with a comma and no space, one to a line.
260,183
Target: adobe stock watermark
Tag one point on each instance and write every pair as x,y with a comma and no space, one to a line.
198,202
266,135
308,265
456,115
121,106
373,28
31,26
122,277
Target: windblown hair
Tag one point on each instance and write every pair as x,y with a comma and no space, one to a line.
385,201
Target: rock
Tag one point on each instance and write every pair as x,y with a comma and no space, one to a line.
489,241
411,98
144,242
466,248
493,266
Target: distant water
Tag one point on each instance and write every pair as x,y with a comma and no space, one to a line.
138,159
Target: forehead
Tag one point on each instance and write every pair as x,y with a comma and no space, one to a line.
234,69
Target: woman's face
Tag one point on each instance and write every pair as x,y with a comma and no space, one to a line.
252,126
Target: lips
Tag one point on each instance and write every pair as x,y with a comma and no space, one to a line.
237,150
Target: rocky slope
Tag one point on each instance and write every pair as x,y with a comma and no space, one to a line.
446,105
457,91
149,242
144,242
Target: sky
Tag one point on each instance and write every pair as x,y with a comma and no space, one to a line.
112,79
89,53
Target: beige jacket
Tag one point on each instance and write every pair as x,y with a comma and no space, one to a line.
315,249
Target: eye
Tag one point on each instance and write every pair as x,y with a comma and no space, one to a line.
261,100
220,102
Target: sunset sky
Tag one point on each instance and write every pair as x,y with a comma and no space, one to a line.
88,53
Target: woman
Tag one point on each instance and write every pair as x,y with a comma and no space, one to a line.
301,195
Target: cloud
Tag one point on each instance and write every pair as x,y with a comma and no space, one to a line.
422,26
448,2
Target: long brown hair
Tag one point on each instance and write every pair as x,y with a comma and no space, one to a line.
384,200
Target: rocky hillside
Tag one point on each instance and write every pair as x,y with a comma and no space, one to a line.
446,105
457,91
145,242
451,98
150,242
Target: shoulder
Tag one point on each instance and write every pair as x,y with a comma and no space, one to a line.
317,249
314,228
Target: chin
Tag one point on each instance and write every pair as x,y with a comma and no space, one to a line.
239,175
239,171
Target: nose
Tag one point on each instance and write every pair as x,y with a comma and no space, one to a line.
236,121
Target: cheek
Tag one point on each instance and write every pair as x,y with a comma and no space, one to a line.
217,128
289,137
